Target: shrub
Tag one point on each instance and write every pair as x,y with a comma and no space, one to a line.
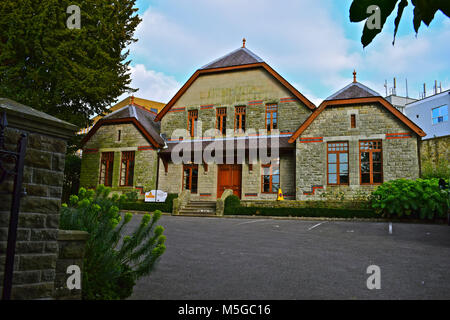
419,199
132,195
231,203
112,263
302,212
150,206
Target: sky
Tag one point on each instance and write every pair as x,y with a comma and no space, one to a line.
311,43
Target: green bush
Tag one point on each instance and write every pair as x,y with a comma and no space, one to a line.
421,198
150,206
231,203
112,262
302,212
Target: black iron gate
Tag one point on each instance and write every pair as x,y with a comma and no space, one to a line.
17,157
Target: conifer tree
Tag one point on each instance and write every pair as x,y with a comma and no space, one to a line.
72,74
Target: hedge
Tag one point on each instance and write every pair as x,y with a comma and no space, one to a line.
150,206
233,207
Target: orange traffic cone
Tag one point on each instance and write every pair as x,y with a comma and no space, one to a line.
280,195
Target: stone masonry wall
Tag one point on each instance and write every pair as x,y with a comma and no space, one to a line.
435,149
36,248
251,88
71,251
400,156
251,180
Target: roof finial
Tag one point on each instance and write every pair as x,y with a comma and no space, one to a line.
243,43
354,76
132,99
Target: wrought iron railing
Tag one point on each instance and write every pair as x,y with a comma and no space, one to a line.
18,158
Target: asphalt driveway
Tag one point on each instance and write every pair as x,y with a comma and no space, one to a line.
225,258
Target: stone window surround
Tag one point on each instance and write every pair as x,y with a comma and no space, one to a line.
354,112
117,135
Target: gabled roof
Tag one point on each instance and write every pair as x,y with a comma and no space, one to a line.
353,101
143,119
354,90
240,59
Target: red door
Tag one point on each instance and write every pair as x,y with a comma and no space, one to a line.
229,177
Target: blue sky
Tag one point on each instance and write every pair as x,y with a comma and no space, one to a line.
311,43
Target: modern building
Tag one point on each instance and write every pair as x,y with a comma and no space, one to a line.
237,124
399,102
431,114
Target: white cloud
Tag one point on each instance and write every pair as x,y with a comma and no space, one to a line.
152,85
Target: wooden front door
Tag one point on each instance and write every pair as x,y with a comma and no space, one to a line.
229,177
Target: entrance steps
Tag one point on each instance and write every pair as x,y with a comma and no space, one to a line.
199,207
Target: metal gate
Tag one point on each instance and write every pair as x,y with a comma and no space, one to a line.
18,158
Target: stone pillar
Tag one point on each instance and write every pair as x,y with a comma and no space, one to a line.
36,247
71,252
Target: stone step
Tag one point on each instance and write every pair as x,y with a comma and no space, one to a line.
202,203
198,211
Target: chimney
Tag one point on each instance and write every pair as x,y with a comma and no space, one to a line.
424,91
435,87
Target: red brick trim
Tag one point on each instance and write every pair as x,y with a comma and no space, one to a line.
255,102
403,135
313,190
90,150
309,140
140,148
177,109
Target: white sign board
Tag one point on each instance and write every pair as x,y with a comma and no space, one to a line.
153,196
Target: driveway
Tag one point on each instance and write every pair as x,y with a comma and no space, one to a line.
225,258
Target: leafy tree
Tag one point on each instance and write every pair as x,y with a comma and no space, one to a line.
424,11
71,74
113,262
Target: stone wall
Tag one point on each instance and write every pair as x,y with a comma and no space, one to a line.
435,149
36,247
171,181
105,140
251,88
400,156
71,251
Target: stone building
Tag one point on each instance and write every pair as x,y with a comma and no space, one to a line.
120,151
237,124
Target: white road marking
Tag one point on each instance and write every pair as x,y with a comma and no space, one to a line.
390,227
253,221
316,225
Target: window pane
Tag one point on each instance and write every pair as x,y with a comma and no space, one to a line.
365,178
343,168
275,187
365,167
266,171
376,167
364,156
266,188
332,168
332,158
376,156
343,157
332,178
343,178
266,179
435,112
276,179
377,178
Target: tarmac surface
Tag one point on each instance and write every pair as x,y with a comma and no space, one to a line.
227,258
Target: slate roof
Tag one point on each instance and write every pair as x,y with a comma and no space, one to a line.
353,90
144,117
241,56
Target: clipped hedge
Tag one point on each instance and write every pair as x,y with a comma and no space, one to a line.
233,207
150,206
